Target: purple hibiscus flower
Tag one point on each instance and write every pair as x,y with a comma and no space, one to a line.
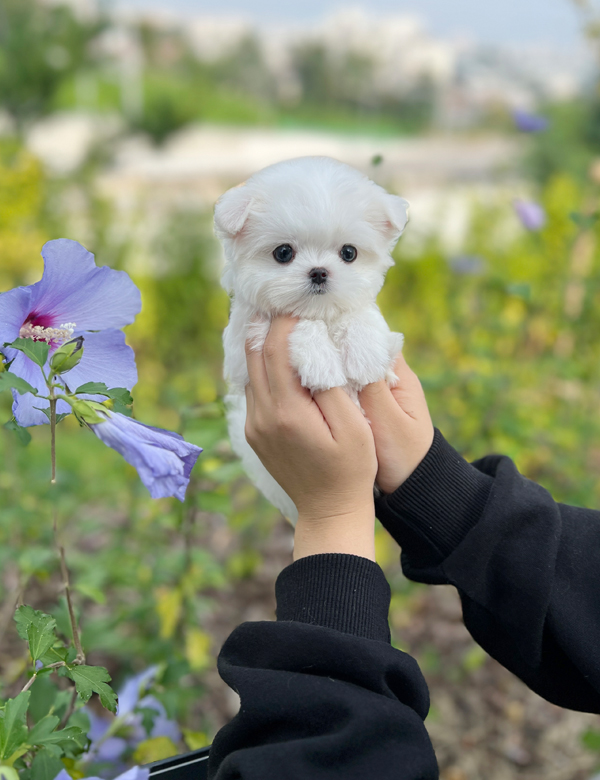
530,123
531,214
162,459
74,297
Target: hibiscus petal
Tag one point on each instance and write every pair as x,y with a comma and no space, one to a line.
74,289
110,750
106,358
24,406
162,459
14,308
163,727
135,773
129,694
98,725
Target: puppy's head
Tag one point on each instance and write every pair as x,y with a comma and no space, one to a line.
310,237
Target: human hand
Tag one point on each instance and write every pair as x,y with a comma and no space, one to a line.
401,425
319,449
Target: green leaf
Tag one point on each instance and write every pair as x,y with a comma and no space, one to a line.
54,654
9,380
120,408
22,434
43,694
93,388
43,733
35,350
43,729
13,731
45,766
121,394
37,628
93,679
46,411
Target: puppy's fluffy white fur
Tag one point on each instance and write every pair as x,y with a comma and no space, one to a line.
316,205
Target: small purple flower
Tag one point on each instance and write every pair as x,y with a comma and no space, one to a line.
163,459
74,297
530,123
531,214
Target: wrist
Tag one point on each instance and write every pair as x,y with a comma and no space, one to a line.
349,532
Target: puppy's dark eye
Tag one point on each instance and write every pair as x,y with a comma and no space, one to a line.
284,253
348,253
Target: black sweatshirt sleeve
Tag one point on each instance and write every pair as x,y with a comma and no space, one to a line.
323,693
527,568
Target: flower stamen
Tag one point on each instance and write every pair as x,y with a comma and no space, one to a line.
40,333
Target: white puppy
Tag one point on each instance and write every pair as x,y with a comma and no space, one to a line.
310,237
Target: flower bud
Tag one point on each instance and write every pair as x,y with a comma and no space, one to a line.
8,773
87,412
67,357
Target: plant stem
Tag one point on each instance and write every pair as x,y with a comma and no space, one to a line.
29,683
70,710
53,435
80,658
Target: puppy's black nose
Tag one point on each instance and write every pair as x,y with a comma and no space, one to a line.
318,275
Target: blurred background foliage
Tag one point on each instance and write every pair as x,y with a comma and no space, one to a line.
504,337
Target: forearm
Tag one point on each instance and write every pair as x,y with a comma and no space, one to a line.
323,694
527,569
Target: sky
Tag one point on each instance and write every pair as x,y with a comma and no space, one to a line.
554,22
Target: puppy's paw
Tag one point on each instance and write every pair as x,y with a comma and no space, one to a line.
391,379
364,361
314,357
396,342
257,332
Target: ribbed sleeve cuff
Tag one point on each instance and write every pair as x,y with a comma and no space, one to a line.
432,512
344,592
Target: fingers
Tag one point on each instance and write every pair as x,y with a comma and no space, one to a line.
379,403
341,414
408,393
257,373
407,378
249,401
283,380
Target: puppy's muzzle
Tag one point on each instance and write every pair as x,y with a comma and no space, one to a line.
318,277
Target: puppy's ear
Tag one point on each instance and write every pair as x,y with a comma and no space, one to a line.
391,219
231,211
